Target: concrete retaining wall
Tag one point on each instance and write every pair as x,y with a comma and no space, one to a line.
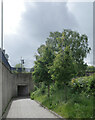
24,79
0,89
8,85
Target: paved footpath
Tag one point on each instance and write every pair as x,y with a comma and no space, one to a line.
27,108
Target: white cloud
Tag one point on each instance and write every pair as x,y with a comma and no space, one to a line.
12,15
84,16
32,27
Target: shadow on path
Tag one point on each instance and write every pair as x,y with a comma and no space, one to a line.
20,97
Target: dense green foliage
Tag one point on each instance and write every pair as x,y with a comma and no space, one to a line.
19,66
80,100
83,84
57,64
41,68
90,69
61,58
78,45
63,68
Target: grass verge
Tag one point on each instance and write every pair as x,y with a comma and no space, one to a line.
78,104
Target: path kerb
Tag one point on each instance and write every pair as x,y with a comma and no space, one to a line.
60,117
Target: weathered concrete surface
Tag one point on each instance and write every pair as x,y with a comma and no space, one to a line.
8,86
9,83
27,108
24,79
0,89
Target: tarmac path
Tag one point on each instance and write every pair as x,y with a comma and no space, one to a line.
27,108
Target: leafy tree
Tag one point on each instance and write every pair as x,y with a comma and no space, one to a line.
53,40
41,68
70,49
40,52
19,66
78,45
63,68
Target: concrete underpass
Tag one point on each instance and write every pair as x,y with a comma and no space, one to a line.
14,85
22,90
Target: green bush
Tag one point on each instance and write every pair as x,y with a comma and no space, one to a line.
35,87
82,84
92,86
90,69
32,96
43,88
79,98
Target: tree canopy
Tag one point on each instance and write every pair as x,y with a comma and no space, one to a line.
61,57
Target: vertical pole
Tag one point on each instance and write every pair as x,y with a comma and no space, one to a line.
2,25
93,55
1,79
21,64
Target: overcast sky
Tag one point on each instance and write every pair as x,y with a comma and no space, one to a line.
28,24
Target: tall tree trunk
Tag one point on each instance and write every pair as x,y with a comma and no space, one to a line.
48,90
65,92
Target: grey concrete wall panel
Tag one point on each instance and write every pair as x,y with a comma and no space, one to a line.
0,89
9,84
